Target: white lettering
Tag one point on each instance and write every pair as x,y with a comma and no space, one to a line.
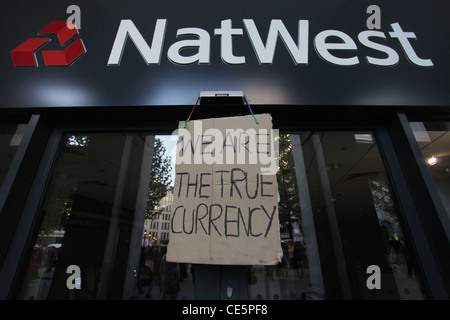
199,310
265,53
326,43
392,56
323,48
227,32
407,48
202,43
128,29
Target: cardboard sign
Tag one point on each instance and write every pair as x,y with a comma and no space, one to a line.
225,208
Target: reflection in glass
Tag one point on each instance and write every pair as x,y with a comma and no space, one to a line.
10,138
103,187
108,206
433,139
290,279
337,218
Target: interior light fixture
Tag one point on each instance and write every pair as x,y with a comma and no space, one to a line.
432,160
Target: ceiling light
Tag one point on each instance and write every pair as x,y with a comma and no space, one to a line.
432,161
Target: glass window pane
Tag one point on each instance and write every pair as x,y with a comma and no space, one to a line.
105,213
290,279
108,209
433,139
10,138
337,219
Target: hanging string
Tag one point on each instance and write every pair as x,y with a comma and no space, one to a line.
186,122
251,111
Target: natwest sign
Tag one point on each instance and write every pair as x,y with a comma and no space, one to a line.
24,55
292,53
326,43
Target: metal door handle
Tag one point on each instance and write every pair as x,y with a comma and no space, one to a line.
229,292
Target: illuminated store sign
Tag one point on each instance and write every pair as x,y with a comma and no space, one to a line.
326,44
301,53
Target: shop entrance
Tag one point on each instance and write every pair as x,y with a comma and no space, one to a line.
107,210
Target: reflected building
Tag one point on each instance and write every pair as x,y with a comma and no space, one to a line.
157,229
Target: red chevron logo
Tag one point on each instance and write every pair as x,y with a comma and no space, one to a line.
24,55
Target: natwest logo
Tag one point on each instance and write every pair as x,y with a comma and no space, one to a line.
25,54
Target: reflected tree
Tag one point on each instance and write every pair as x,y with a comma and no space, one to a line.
58,209
289,204
382,198
160,179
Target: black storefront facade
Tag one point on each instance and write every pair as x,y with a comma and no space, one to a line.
358,91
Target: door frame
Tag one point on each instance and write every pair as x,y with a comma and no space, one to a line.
391,131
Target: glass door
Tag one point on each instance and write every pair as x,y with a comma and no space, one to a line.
103,228
105,225
340,231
